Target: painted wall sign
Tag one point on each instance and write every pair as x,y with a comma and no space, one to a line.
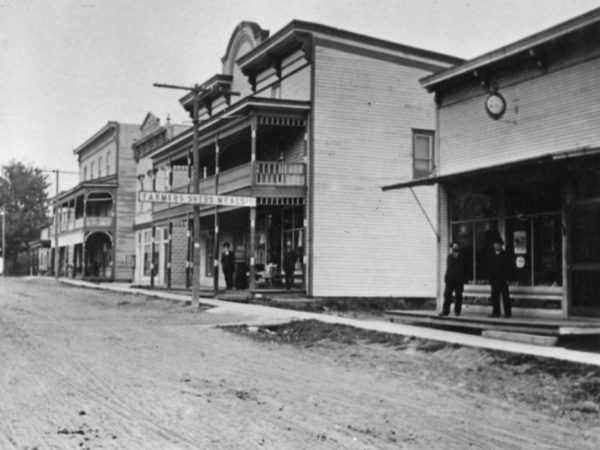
196,199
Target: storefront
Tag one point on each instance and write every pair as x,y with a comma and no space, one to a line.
518,157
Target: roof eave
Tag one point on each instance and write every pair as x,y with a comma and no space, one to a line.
503,54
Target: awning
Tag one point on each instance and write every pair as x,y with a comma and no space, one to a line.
521,164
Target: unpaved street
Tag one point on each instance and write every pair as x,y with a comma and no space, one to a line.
87,369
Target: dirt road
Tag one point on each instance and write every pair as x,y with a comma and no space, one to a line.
82,369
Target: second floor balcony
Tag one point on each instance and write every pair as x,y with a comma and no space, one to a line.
83,223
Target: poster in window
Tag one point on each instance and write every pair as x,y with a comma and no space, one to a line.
520,242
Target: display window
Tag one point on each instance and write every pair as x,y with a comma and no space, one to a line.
526,216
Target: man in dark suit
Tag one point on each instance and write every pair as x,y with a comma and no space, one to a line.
289,264
228,265
500,272
455,278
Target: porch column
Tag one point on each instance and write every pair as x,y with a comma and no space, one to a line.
189,253
170,254
305,221
153,249
189,171
216,237
85,197
253,126
252,246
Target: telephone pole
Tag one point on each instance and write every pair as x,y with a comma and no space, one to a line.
196,90
4,271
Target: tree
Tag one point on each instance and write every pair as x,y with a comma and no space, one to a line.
23,194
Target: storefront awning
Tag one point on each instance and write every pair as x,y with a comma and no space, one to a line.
521,164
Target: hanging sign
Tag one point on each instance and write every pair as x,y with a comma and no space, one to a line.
196,199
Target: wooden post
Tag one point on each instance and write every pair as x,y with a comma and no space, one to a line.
252,247
196,207
188,258
216,236
152,250
170,254
253,126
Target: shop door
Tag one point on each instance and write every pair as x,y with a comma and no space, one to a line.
584,265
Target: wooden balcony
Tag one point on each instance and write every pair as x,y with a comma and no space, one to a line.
266,174
84,222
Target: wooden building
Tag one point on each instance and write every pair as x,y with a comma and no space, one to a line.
95,218
518,155
311,121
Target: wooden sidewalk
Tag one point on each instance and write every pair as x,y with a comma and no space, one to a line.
520,329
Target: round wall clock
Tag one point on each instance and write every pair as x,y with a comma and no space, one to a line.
495,105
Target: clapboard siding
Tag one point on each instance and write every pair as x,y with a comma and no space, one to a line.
297,85
551,113
367,242
126,201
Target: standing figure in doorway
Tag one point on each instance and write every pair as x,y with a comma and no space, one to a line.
500,272
228,265
289,264
454,279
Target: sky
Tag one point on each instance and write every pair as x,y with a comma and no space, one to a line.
67,67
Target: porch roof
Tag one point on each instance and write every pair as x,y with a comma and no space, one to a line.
231,118
109,183
488,170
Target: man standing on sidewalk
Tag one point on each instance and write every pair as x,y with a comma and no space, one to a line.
500,272
289,264
455,278
228,265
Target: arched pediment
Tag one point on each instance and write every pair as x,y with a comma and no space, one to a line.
244,38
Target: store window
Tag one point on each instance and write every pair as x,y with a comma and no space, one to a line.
422,153
527,217
293,231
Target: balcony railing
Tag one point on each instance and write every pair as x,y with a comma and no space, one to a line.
266,174
280,174
91,221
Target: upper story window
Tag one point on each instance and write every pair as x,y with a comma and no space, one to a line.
276,90
100,167
422,153
84,173
108,163
92,170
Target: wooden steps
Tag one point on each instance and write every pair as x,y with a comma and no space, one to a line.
522,329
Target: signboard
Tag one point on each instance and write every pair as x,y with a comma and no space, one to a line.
196,199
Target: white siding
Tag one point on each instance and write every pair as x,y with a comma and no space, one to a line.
552,113
368,242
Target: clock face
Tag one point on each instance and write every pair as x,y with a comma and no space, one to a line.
495,105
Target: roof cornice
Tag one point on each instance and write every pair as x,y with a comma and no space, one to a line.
525,45
289,33
111,125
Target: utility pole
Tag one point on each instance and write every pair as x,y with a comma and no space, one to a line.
196,90
4,271
56,224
